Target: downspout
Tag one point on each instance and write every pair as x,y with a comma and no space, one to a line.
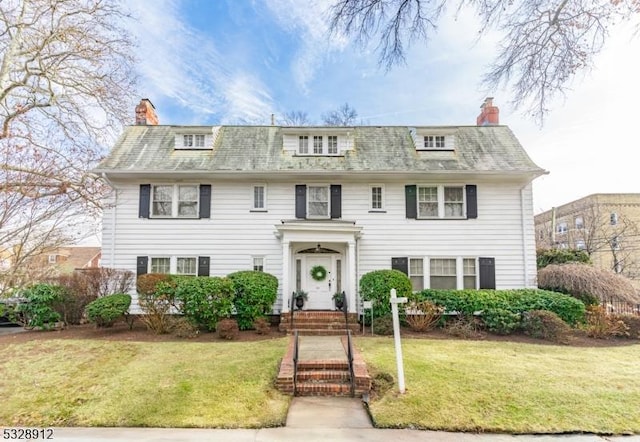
112,251
524,236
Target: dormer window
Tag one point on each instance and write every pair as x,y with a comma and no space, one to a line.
318,145
434,142
200,138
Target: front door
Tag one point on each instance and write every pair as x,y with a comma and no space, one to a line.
319,290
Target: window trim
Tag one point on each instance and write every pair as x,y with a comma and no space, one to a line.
53,258
175,201
440,195
150,263
476,275
562,231
177,257
311,147
328,214
382,198
253,262
455,275
253,198
410,274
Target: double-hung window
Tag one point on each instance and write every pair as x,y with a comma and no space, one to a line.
259,197
186,266
428,202
303,144
562,227
161,265
377,197
469,273
174,201
317,144
440,201
258,263
318,202
416,274
443,273
332,144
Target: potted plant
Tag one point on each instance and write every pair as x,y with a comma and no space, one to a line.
300,297
338,300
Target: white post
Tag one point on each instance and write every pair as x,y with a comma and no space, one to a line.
396,337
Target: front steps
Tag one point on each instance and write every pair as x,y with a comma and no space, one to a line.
318,322
322,377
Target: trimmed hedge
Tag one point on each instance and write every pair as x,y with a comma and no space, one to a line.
255,293
518,301
376,286
108,309
202,300
545,257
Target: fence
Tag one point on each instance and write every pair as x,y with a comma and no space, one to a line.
621,307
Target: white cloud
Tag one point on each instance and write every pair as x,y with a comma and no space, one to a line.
182,65
309,22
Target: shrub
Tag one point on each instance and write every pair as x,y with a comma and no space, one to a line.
586,282
147,284
546,257
228,329
376,286
500,321
255,293
77,296
155,298
383,325
204,300
422,316
39,308
105,311
633,324
602,326
183,328
105,281
468,302
262,326
464,326
543,324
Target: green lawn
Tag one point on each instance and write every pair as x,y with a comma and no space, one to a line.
508,387
159,384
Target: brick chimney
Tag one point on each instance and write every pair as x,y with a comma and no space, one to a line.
146,113
489,114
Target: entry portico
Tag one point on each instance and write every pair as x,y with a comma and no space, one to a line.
330,244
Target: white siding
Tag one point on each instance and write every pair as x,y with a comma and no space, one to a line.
234,234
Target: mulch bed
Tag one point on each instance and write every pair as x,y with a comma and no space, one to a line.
139,333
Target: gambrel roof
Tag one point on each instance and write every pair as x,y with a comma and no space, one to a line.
375,149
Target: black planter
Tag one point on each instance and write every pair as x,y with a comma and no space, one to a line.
299,302
339,304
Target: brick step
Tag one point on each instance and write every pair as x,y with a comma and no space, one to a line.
327,364
323,376
323,389
318,332
326,325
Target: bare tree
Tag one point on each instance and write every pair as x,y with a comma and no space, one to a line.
345,115
296,118
545,44
66,84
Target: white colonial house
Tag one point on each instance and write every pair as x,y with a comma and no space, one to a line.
451,206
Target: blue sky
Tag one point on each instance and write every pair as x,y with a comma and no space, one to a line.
239,61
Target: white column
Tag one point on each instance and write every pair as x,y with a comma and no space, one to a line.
286,276
352,284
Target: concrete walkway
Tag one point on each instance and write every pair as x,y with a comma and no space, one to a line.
313,348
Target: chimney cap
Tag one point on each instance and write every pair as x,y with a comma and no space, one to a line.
487,102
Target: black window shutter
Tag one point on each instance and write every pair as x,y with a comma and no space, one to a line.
301,201
472,200
203,265
142,264
411,201
144,202
205,200
487,273
336,201
401,264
